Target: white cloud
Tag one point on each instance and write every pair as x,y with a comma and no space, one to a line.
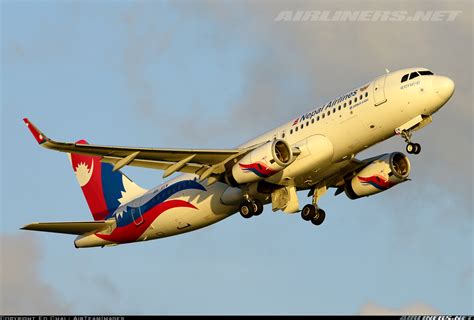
22,291
372,308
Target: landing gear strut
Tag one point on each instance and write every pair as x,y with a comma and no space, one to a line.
249,208
311,212
412,148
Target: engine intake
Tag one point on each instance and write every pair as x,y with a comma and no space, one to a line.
379,175
261,163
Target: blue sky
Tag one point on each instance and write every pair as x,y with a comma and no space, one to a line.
212,75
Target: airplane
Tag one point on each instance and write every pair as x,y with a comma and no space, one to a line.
313,152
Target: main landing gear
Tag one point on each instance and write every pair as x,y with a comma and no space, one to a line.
311,212
249,208
412,148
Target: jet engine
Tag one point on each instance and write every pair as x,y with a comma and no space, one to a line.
261,162
379,175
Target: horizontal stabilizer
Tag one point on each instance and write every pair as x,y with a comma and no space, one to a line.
76,228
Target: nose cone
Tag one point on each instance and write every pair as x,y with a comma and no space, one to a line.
444,87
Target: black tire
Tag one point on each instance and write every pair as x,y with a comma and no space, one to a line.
417,148
319,217
257,207
308,212
411,147
246,209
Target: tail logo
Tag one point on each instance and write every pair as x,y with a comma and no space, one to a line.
83,172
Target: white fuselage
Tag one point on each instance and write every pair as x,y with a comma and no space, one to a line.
328,137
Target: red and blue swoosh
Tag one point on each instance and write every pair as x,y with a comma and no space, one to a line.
258,168
128,227
377,181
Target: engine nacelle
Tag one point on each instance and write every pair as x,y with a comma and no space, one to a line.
261,163
379,175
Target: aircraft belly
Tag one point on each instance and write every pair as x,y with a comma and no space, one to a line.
306,181
206,209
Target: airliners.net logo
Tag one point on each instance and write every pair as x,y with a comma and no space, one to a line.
365,16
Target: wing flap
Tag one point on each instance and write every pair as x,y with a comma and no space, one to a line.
74,227
160,165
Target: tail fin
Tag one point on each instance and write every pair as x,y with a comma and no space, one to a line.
105,190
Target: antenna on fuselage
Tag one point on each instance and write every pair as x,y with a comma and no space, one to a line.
387,71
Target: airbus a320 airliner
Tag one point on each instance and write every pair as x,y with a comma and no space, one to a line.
314,152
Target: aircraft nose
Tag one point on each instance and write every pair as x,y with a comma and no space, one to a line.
443,86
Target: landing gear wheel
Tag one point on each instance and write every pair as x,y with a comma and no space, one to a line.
246,209
257,207
411,147
319,217
417,148
308,212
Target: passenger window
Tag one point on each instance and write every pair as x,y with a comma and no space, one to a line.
312,120
366,94
307,123
345,104
334,110
360,98
296,129
425,73
339,108
329,112
283,135
323,115
413,75
302,125
317,119
405,78
350,102
291,131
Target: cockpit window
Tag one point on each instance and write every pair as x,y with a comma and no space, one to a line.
416,74
425,73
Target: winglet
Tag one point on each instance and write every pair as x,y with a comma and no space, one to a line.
38,135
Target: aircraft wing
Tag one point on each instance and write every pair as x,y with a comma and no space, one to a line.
77,228
204,163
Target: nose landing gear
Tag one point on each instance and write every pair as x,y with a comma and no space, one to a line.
412,148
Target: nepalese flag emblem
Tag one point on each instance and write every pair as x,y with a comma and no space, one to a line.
364,87
296,121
